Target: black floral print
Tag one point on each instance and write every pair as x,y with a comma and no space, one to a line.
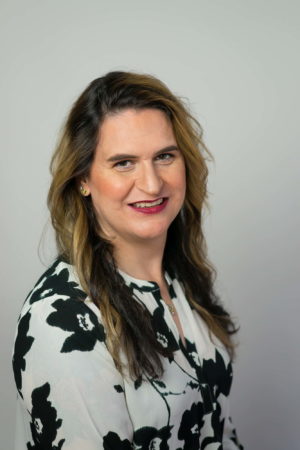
163,332
118,388
44,424
85,327
190,426
150,438
71,395
112,441
22,346
55,283
212,369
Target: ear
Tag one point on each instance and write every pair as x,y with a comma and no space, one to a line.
84,189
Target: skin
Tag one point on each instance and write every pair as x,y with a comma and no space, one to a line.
149,174
155,169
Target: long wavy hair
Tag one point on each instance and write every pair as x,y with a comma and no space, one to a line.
78,233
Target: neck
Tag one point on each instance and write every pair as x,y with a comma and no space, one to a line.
142,260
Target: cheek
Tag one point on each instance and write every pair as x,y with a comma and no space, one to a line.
179,179
108,189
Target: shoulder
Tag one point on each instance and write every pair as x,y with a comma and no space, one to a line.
57,289
58,280
55,320
58,300
55,297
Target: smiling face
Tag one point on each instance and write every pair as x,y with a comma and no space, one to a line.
137,178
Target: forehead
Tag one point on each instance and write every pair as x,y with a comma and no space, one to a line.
132,128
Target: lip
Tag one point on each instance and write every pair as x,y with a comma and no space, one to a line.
152,209
146,201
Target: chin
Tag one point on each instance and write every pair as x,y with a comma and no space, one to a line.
152,233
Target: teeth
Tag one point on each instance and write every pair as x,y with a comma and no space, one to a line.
148,204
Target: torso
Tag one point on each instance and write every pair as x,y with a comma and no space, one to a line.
167,299
62,365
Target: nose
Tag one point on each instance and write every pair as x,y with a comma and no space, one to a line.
149,179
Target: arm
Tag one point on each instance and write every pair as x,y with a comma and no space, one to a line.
230,439
70,387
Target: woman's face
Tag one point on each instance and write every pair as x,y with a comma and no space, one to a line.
137,178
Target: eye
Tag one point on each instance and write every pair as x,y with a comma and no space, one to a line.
123,165
165,157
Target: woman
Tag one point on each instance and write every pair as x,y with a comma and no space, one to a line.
122,343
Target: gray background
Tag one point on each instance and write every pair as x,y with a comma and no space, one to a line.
238,63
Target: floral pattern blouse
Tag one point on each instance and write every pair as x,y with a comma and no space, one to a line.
72,397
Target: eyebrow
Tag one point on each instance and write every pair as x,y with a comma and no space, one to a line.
120,156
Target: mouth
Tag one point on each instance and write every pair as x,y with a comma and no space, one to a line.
148,203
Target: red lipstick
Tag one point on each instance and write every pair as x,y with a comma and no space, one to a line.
149,209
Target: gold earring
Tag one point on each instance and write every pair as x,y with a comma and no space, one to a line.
83,191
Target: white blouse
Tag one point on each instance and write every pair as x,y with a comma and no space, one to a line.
72,397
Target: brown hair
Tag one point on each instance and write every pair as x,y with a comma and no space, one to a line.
78,234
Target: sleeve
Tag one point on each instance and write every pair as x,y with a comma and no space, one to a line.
70,388
230,439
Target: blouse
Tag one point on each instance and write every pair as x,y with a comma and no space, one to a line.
70,395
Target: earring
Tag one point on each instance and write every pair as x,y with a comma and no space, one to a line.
83,191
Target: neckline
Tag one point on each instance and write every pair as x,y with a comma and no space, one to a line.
143,285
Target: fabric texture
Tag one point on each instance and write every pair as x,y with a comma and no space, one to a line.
72,397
